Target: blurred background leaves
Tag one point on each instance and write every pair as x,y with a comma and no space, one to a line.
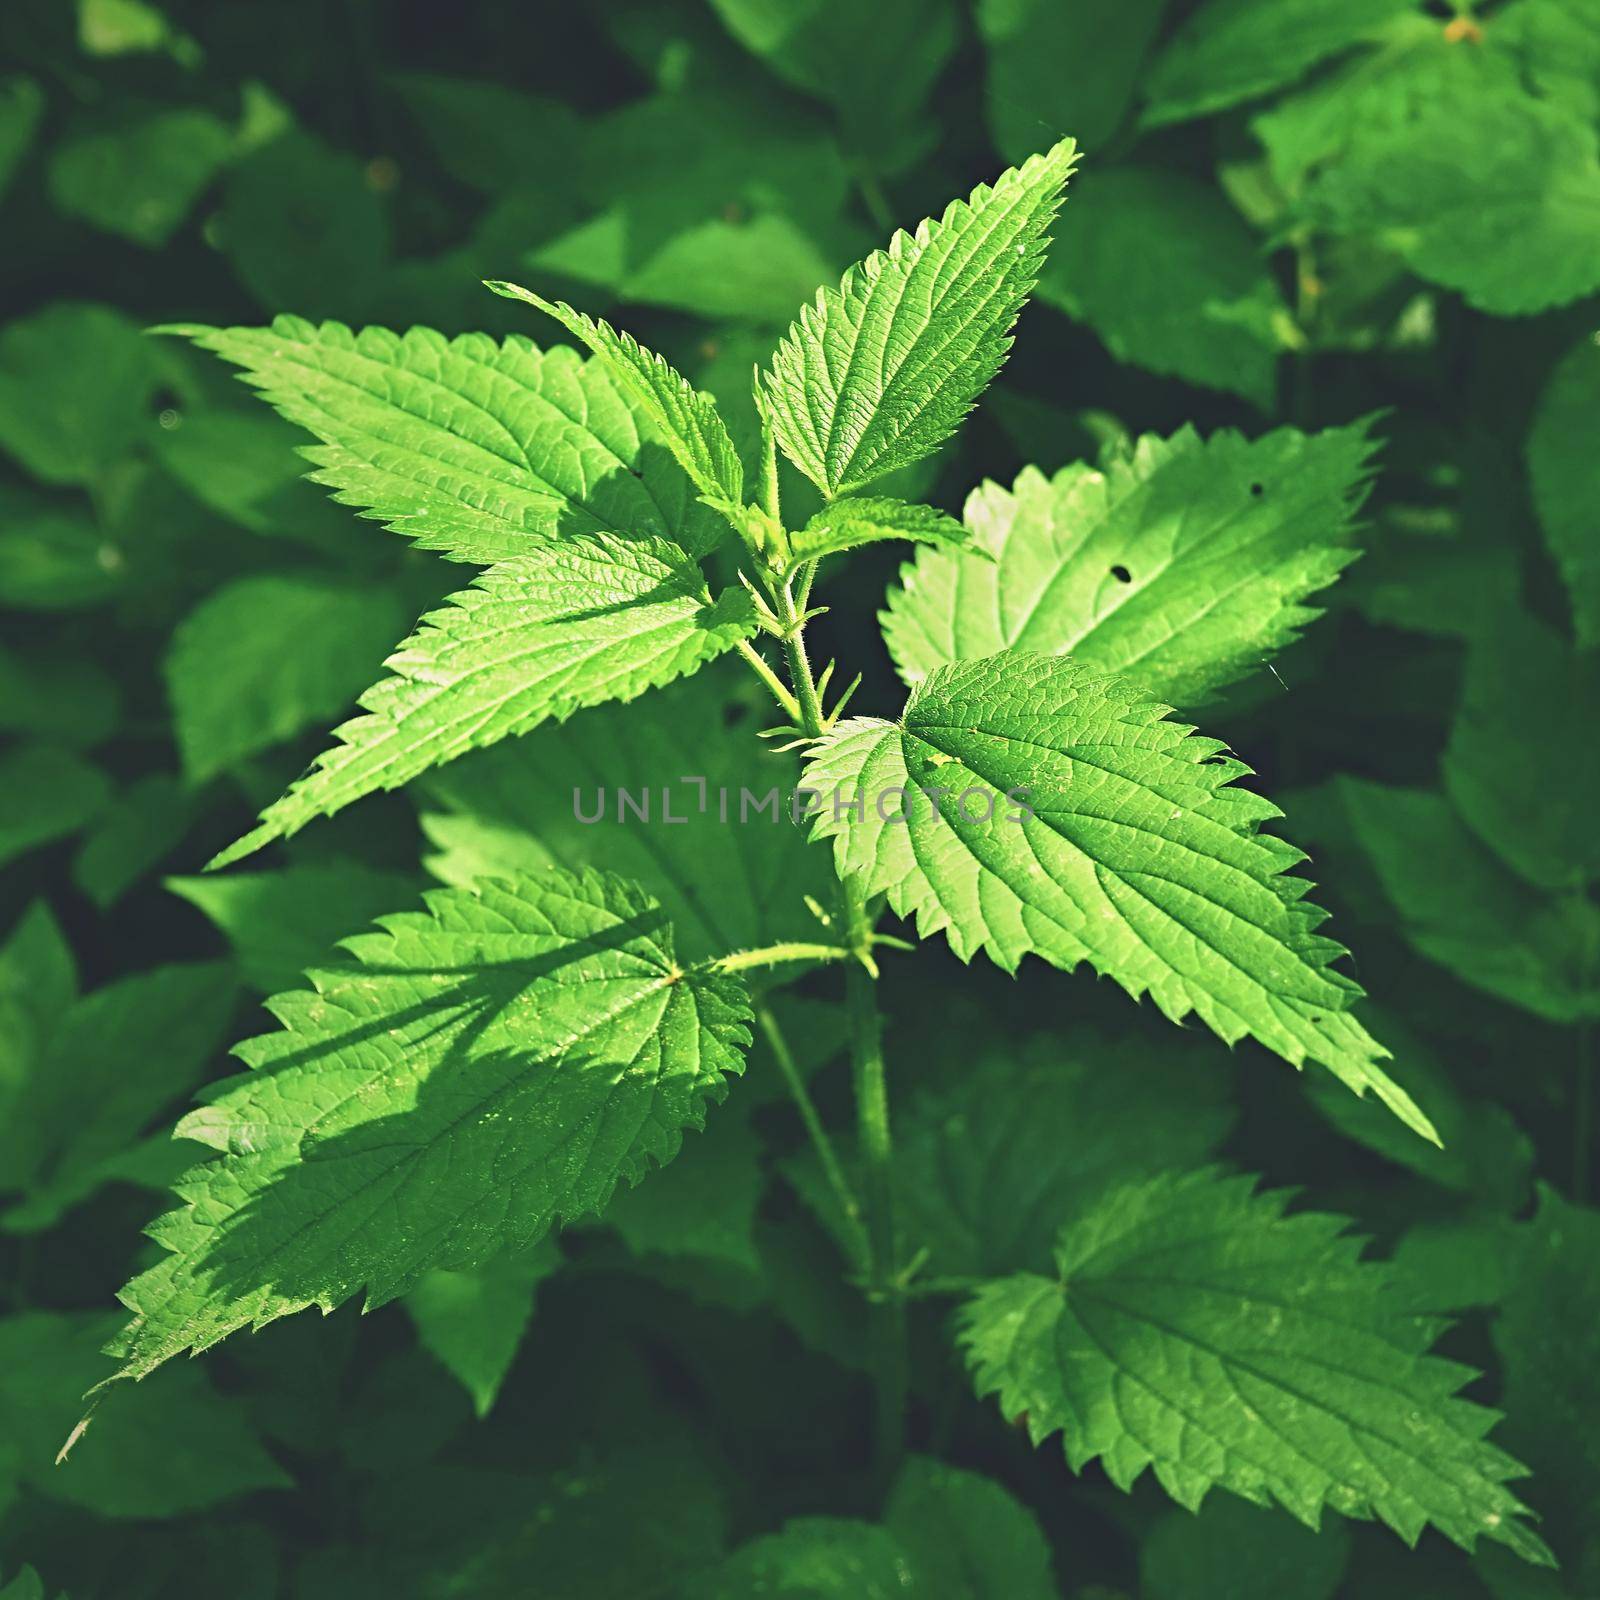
1289,212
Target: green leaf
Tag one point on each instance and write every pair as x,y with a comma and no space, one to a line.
946,1535
969,1538
1103,833
686,420
749,269
1184,565
875,66
466,446
328,252
1512,768
108,1067
59,692
1557,47
846,524
266,657
698,829
164,1449
704,1204
599,1521
21,107
1545,1336
1486,1156
658,169
38,981
1438,153
879,372
1030,1132
1449,216
76,381
1233,50
479,1068
1195,1329
161,549
1458,905
482,132
817,1558
1236,1551
720,202
1171,278
25,1585
281,923
53,556
1052,66
1427,573
472,1321
573,623
136,172
1457,1266
46,793
129,27
143,825
728,875
246,466
1319,126
1566,480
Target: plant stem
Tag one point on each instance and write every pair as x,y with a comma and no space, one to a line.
799,664
832,1168
887,1313
807,572
780,690
932,1288
773,955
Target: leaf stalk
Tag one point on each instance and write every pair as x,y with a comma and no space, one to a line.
827,1155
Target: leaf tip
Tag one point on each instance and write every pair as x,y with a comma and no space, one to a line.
515,291
240,848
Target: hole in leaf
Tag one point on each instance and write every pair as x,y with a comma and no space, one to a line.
1258,489
1122,575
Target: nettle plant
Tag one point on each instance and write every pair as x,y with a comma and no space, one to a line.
536,1039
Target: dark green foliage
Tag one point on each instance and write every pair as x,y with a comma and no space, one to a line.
1300,434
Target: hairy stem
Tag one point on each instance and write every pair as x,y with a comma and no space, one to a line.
773,955
832,1168
887,1319
802,587
799,664
780,690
